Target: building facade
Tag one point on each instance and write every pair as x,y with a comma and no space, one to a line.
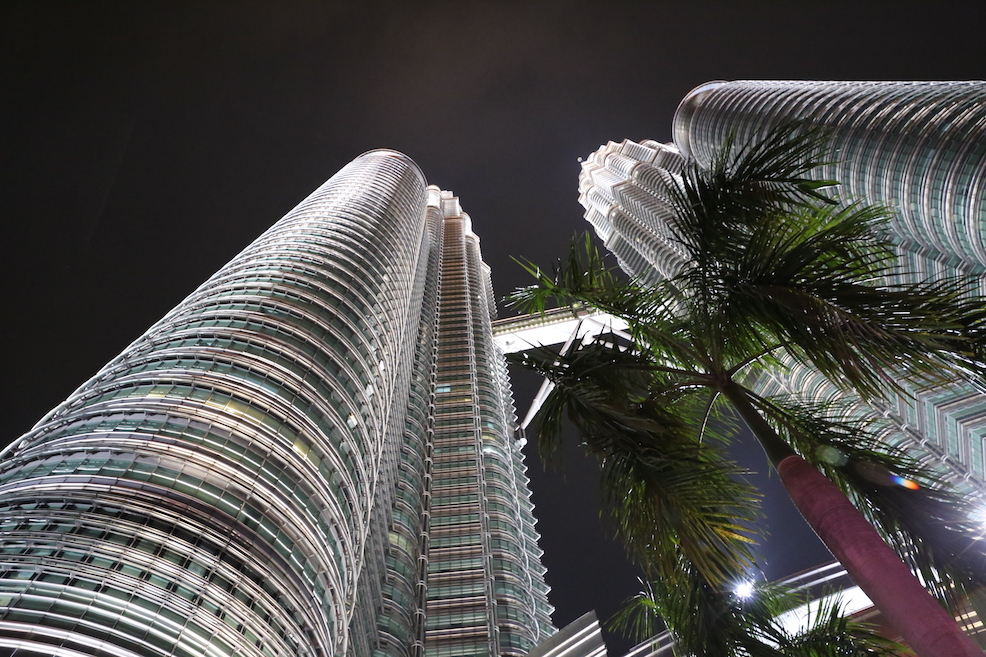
917,148
313,454
622,188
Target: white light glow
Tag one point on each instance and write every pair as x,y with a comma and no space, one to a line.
744,590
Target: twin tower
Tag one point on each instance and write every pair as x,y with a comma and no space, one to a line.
315,453
311,455
917,148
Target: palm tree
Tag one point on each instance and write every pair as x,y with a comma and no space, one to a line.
709,622
774,269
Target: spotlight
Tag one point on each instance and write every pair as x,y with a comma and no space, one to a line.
744,590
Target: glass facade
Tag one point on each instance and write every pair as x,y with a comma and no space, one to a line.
265,471
622,190
918,148
486,594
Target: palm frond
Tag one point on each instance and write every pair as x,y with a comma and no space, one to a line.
708,622
583,277
828,632
813,282
773,269
667,490
681,497
700,618
930,526
775,171
742,185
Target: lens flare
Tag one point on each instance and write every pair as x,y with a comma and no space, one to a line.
744,590
906,483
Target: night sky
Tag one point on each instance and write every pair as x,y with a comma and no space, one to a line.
143,144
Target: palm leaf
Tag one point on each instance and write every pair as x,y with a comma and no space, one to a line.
825,301
928,525
708,622
666,489
773,270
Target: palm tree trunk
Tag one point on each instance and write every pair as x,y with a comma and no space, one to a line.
927,628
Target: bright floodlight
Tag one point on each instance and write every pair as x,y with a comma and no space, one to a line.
744,590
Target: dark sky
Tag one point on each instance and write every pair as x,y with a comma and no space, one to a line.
143,144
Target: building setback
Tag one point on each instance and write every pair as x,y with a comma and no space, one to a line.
917,148
313,454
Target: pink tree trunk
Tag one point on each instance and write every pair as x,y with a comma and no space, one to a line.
927,628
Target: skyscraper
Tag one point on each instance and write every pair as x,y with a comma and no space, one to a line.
622,190
918,148
313,454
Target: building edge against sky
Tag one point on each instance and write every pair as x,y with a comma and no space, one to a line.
919,148
312,454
